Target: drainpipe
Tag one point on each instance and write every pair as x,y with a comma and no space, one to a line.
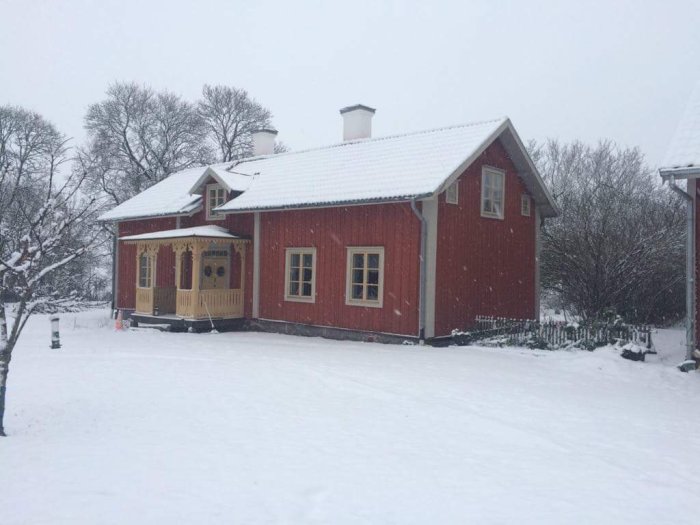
422,274
690,268
115,275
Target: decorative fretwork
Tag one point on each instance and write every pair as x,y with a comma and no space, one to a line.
193,303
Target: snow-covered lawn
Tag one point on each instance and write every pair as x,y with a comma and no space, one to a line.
151,427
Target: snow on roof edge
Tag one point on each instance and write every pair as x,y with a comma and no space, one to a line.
209,231
329,204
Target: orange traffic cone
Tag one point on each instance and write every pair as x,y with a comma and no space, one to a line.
119,324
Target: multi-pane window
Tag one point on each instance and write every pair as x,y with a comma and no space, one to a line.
145,271
216,196
452,193
492,189
365,280
300,279
525,205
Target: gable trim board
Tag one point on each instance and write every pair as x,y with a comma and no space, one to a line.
430,212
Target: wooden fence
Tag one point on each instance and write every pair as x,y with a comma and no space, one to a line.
553,334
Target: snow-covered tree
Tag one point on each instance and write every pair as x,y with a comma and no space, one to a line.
45,224
137,137
231,116
619,242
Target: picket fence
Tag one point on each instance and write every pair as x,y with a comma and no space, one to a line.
555,334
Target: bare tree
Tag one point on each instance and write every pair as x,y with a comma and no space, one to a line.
231,116
137,137
45,223
618,244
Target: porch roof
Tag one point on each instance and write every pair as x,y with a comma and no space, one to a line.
209,232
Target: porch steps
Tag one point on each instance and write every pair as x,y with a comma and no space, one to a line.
178,324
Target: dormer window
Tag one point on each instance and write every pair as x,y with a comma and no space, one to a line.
216,196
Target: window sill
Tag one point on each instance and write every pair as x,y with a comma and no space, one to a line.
492,216
293,299
366,304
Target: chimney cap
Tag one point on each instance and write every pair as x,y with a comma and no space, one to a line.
357,106
266,130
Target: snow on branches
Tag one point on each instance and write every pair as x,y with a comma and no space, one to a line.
46,222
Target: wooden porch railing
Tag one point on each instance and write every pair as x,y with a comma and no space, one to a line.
185,303
214,303
144,300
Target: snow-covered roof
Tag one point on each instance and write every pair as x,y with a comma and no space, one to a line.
683,155
394,168
231,180
171,196
215,232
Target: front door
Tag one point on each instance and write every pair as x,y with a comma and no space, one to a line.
215,270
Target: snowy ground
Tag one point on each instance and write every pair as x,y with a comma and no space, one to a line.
151,427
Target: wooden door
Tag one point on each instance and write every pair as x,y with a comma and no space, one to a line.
215,273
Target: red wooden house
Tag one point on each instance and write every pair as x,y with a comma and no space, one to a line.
401,237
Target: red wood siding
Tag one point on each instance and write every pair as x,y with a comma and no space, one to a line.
484,266
126,265
331,231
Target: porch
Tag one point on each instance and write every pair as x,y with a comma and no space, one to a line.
207,258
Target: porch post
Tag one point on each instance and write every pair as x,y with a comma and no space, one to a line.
242,251
152,252
140,248
154,267
196,265
177,250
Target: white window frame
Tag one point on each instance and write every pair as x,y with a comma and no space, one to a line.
364,250
150,271
490,177
287,270
211,216
525,205
452,193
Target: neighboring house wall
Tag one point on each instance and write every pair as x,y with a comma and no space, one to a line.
695,190
484,266
331,231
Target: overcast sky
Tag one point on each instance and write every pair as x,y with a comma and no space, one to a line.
616,69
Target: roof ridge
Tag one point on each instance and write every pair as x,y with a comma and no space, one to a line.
375,139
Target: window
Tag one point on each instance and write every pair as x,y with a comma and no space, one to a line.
525,205
452,193
492,189
216,196
300,281
365,276
145,271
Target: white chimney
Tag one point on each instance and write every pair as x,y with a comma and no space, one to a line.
264,142
357,122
